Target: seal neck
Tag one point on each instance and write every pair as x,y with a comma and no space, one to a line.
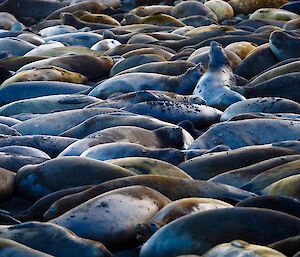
217,57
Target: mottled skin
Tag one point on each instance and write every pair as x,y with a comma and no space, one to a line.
115,215
173,188
200,115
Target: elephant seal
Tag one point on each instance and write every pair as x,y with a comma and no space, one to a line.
60,241
90,6
14,161
23,10
273,14
284,46
256,62
106,121
37,210
275,71
214,86
175,210
222,9
50,73
249,6
34,182
278,203
199,115
292,24
52,145
159,19
7,185
25,151
288,186
242,49
117,150
86,39
15,63
90,66
47,104
6,130
49,124
12,248
288,246
128,99
292,7
97,18
212,164
182,84
182,237
241,133
241,176
159,138
144,165
72,20
105,45
115,214
189,8
7,20
261,104
15,46
8,121
131,61
152,9
171,68
27,90
242,249
171,187
284,86
272,175
56,30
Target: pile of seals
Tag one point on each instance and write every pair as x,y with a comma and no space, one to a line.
149,128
